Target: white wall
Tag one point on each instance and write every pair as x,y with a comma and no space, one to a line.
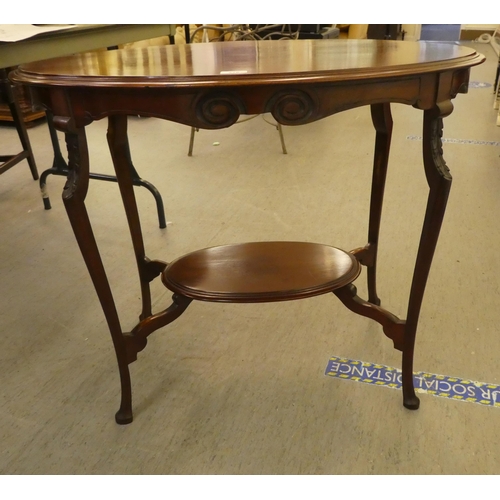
413,30
486,27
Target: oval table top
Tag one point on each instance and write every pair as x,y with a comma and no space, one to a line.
247,62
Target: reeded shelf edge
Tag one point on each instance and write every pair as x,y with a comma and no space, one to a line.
234,273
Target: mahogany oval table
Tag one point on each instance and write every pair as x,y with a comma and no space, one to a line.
210,86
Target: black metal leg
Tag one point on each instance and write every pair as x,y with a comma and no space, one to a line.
60,167
137,181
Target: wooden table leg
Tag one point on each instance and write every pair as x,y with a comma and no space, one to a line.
126,344
367,255
439,181
148,269
74,195
382,121
8,161
120,153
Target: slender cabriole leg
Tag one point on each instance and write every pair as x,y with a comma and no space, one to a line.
120,152
439,181
74,194
382,121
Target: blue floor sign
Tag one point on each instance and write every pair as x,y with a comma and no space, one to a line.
479,85
425,383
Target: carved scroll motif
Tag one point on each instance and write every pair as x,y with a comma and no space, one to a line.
292,107
218,110
73,165
437,148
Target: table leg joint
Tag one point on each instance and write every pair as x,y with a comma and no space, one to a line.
133,345
151,269
366,255
136,340
393,327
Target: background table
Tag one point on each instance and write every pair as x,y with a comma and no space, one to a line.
210,86
79,38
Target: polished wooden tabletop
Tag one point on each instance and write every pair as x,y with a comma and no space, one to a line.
249,61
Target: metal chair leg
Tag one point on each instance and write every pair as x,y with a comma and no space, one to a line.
278,127
282,138
60,167
191,141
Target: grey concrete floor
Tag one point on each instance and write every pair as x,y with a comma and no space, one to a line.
241,389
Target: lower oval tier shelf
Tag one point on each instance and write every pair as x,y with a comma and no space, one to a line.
266,271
